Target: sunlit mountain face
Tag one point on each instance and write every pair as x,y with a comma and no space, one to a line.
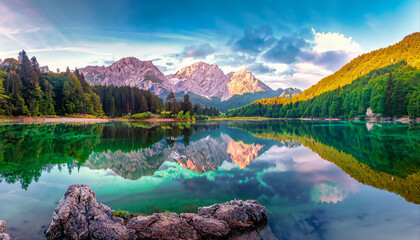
313,184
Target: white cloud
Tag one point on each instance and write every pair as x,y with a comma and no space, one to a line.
334,42
330,51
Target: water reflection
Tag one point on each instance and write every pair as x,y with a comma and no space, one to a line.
305,173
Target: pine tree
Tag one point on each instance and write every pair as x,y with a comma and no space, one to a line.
14,87
35,65
68,72
198,109
413,107
26,72
170,101
3,95
143,104
398,98
187,105
47,106
388,104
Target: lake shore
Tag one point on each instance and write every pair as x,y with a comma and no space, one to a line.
367,119
152,120
53,120
25,119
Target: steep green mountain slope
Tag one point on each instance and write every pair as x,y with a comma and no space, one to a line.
390,91
408,50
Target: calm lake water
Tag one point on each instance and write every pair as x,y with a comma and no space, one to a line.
318,180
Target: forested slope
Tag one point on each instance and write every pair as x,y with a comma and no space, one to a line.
408,50
390,91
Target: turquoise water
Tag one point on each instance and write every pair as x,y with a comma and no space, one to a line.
318,180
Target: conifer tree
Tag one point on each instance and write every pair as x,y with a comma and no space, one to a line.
398,100
388,106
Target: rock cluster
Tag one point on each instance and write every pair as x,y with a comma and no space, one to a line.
3,234
80,216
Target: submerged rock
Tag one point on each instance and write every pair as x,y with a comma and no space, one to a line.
80,216
3,234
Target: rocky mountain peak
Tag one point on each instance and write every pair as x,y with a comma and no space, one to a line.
129,71
130,63
198,69
243,81
202,78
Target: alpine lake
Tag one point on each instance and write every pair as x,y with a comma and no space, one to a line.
317,179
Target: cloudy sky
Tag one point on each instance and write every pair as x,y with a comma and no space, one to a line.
284,43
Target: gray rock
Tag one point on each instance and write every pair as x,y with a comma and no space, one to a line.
2,226
237,214
162,226
3,234
80,216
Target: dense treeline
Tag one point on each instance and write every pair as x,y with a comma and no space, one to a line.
392,91
174,106
24,90
119,101
211,112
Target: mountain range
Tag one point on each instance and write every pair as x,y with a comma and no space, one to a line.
207,82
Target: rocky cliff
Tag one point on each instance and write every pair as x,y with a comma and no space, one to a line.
203,79
80,216
209,80
244,81
128,71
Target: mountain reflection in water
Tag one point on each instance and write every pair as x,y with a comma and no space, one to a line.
305,173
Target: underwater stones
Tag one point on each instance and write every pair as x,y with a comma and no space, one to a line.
3,234
80,216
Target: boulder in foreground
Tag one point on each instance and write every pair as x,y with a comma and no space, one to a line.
80,216
3,234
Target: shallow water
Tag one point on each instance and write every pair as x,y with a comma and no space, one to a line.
318,180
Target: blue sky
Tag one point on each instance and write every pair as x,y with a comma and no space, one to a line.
284,43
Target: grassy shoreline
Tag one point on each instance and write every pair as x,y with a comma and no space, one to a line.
68,119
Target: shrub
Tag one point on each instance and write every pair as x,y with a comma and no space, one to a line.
165,114
201,117
181,115
144,115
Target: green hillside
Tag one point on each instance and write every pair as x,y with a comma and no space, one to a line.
390,91
408,50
